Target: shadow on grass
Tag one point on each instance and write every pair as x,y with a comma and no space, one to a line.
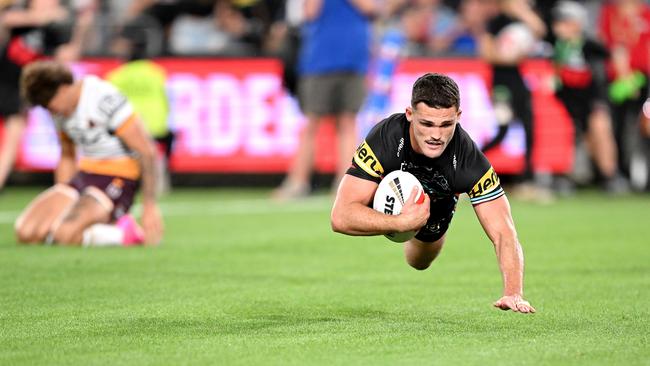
297,322
289,322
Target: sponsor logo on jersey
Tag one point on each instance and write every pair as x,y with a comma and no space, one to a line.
488,183
367,160
400,147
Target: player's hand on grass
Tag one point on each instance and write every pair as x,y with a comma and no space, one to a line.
152,224
515,303
415,212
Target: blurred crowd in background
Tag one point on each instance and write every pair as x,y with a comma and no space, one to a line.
434,28
607,74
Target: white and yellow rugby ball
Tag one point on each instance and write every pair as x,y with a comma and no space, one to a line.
391,195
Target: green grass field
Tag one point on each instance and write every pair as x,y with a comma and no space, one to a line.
241,281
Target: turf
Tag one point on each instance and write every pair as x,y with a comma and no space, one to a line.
241,281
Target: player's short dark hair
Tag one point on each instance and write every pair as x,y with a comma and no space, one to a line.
436,91
40,81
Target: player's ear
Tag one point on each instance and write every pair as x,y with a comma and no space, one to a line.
409,114
460,111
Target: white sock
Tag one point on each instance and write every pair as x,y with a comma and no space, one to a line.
102,235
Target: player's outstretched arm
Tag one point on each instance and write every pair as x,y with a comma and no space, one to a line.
138,140
496,219
352,215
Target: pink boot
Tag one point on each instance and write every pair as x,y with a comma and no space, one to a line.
133,234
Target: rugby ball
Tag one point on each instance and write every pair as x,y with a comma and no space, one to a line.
391,195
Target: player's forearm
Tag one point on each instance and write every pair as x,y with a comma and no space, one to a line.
357,219
148,168
82,29
21,18
65,170
511,264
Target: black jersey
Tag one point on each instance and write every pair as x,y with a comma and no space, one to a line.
461,168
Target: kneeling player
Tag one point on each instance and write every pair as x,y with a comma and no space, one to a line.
428,142
89,203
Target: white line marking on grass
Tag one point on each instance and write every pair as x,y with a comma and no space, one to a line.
260,206
240,207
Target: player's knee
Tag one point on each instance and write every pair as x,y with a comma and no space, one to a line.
66,234
419,265
25,232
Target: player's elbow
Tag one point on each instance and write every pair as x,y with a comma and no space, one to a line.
504,239
337,225
338,222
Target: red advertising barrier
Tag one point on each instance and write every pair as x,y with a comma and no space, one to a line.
233,116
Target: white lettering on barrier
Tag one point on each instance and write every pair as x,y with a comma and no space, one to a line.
223,125
185,106
261,113
220,115
216,115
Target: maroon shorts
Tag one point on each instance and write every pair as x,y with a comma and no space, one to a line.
120,190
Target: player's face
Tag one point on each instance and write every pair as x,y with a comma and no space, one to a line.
62,104
431,129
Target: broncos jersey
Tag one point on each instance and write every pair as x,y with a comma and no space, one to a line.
94,127
461,168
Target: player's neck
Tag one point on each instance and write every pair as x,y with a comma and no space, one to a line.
75,94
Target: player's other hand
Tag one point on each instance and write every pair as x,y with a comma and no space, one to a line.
515,303
415,212
152,224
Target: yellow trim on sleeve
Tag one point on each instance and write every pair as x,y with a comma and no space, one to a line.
488,182
367,160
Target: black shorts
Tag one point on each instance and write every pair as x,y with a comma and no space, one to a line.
10,101
120,190
580,103
441,211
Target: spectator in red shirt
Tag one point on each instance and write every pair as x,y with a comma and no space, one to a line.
625,29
